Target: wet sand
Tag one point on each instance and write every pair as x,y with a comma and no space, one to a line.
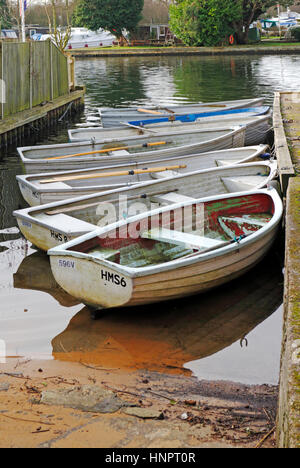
167,411
140,354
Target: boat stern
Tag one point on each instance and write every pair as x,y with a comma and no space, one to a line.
95,284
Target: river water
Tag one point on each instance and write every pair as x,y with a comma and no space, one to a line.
231,333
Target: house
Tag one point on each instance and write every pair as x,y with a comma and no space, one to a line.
153,34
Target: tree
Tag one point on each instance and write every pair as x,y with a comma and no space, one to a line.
251,11
5,16
204,22
60,37
209,22
111,15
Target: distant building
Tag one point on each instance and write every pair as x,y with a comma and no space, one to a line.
8,34
34,29
156,33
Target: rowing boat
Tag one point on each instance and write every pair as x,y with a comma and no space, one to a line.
171,252
112,116
49,225
38,189
257,127
70,156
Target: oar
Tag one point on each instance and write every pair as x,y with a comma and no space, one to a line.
138,127
71,208
107,150
148,111
97,175
216,247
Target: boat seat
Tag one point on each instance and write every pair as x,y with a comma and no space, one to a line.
55,185
181,238
239,183
226,162
171,197
163,174
104,254
65,223
226,224
119,153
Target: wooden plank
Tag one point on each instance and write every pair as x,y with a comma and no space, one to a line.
27,68
30,115
285,164
180,238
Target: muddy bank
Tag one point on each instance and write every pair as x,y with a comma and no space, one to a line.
55,404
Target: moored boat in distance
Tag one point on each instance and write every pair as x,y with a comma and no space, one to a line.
52,224
112,116
38,189
171,252
257,127
69,156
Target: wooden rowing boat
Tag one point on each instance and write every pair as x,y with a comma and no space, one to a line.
257,127
49,225
112,116
69,156
170,252
69,184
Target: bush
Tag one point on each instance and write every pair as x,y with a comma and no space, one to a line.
295,33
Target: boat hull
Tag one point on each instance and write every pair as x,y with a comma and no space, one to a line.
37,159
54,224
256,129
112,117
35,193
104,288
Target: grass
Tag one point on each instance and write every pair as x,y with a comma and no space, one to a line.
263,43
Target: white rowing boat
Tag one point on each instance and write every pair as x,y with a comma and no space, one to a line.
38,189
171,252
69,156
49,225
112,116
257,127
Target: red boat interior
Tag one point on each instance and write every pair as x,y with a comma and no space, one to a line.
181,232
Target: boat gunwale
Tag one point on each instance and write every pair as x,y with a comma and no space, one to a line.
27,214
251,121
272,164
242,103
232,131
131,272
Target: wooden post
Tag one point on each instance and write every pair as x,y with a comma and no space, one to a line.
30,75
51,71
71,72
285,165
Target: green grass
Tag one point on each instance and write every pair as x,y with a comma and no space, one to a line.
256,44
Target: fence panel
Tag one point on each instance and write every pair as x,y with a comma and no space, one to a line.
15,74
40,72
33,73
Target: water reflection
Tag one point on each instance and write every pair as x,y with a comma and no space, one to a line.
121,82
35,273
34,311
163,338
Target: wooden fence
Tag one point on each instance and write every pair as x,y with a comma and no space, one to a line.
32,73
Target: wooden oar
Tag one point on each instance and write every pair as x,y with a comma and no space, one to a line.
148,111
216,247
107,150
71,208
97,175
142,129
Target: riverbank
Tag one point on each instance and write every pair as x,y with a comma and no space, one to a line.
52,404
287,141
260,49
